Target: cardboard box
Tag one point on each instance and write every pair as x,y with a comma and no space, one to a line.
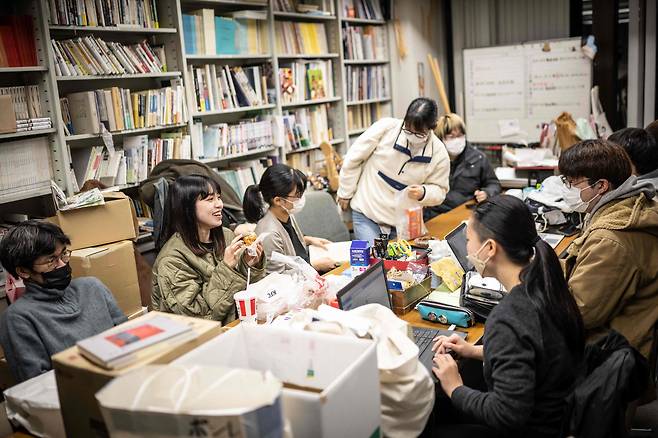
92,226
359,257
78,380
331,383
114,265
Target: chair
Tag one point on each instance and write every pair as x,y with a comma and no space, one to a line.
320,217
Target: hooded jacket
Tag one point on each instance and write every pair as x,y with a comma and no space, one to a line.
612,267
201,286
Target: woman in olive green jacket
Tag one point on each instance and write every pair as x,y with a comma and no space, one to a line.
202,265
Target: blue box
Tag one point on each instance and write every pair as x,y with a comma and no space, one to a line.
359,256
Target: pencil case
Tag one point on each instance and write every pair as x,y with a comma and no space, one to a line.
445,314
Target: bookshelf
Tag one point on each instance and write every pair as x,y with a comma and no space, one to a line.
340,111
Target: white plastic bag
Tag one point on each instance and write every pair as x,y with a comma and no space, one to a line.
34,404
408,216
193,401
312,287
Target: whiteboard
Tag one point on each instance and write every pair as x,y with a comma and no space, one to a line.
510,90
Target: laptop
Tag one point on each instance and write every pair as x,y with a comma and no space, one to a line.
456,240
370,287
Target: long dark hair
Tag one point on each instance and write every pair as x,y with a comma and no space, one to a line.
277,181
180,214
422,114
508,221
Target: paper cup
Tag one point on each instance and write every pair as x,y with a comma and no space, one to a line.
245,302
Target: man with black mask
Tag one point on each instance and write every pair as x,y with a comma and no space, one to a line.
54,312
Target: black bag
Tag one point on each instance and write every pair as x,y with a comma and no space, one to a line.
480,300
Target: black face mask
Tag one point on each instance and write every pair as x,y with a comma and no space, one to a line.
59,278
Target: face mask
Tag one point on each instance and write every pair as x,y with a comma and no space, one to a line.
59,278
455,146
575,202
415,141
297,206
477,263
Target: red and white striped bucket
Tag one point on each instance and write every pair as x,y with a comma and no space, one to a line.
245,302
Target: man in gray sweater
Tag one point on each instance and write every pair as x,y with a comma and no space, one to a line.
54,312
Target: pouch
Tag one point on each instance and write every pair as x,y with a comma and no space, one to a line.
445,314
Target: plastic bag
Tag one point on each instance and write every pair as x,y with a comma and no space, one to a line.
409,222
313,287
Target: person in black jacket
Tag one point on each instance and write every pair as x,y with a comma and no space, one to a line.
533,340
471,174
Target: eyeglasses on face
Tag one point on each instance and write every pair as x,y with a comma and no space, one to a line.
52,262
416,134
569,183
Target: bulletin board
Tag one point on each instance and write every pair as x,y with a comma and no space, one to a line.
510,90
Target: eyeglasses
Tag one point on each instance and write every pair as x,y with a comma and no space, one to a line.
51,264
416,134
568,183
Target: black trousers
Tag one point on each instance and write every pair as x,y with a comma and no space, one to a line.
446,421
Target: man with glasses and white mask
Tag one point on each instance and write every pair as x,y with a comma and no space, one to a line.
55,311
392,156
612,267
471,174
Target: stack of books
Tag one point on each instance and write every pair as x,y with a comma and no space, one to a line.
364,83
242,32
300,38
362,116
26,105
218,88
243,174
306,127
17,41
364,42
365,9
222,139
132,164
302,81
119,109
121,13
89,56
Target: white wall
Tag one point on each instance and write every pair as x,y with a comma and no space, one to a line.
422,31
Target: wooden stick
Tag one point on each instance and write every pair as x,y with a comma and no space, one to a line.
436,72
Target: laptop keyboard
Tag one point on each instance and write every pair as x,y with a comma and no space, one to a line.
423,338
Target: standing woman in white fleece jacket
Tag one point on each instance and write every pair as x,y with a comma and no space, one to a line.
393,155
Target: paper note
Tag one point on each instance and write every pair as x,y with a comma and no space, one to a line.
337,251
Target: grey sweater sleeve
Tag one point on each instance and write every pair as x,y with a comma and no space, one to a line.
511,400
26,354
116,313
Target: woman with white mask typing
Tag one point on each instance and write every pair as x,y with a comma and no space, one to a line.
273,203
390,156
471,174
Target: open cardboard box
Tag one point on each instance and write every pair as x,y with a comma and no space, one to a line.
78,379
97,225
331,383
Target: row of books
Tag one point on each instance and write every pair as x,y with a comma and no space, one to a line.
364,42
142,210
17,47
310,162
370,82
132,164
311,7
243,174
367,9
117,109
121,13
294,38
222,139
90,56
25,101
220,87
305,127
26,165
243,32
302,81
362,116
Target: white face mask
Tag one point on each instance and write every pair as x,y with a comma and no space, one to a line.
415,141
297,205
479,264
574,201
455,146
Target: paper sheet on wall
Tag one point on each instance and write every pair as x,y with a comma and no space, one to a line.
337,251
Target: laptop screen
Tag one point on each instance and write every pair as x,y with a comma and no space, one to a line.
367,288
457,241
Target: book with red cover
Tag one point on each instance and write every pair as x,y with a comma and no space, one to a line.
9,43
